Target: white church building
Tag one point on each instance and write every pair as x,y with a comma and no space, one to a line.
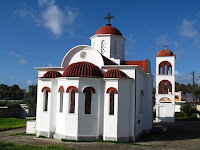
96,93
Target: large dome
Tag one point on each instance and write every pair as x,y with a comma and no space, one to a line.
108,30
115,73
165,52
52,74
82,69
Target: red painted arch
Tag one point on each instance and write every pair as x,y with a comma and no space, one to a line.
46,88
72,87
161,85
89,88
61,88
111,89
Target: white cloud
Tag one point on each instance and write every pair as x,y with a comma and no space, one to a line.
50,65
14,53
162,40
130,42
29,82
22,61
176,44
187,29
50,16
176,72
53,19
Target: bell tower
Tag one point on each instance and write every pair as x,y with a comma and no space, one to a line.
109,41
165,86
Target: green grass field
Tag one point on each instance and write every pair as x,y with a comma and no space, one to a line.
11,123
10,146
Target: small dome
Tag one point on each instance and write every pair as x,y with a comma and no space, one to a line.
82,69
165,52
52,74
115,73
108,30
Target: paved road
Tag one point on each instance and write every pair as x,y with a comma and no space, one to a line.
182,135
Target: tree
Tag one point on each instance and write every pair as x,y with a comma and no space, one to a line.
11,93
31,97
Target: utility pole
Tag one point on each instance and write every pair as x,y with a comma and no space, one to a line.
193,85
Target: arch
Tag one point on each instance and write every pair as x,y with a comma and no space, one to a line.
72,87
46,88
165,87
61,88
46,95
89,88
165,100
112,100
111,89
165,68
72,101
72,54
88,98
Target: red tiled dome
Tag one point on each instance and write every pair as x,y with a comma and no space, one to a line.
52,74
115,73
108,30
82,69
165,52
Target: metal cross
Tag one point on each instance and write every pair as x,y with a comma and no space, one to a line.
108,17
165,46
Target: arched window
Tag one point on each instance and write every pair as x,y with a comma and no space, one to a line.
165,87
165,100
141,101
61,100
103,47
88,96
165,68
72,101
111,110
115,48
46,93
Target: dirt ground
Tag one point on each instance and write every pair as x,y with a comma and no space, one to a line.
182,135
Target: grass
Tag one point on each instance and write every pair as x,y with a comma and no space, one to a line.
9,146
130,143
22,134
12,123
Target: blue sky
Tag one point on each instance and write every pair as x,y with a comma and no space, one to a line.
39,33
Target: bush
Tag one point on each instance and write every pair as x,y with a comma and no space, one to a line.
188,111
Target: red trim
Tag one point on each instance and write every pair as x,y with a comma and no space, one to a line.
142,64
61,88
162,85
46,88
111,89
89,88
165,65
72,87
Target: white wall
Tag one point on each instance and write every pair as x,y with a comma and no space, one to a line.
70,122
88,123
110,121
124,115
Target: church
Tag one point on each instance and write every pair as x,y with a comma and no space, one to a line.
96,93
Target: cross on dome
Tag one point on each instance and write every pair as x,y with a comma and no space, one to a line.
165,46
108,17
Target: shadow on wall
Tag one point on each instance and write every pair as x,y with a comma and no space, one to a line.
180,130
